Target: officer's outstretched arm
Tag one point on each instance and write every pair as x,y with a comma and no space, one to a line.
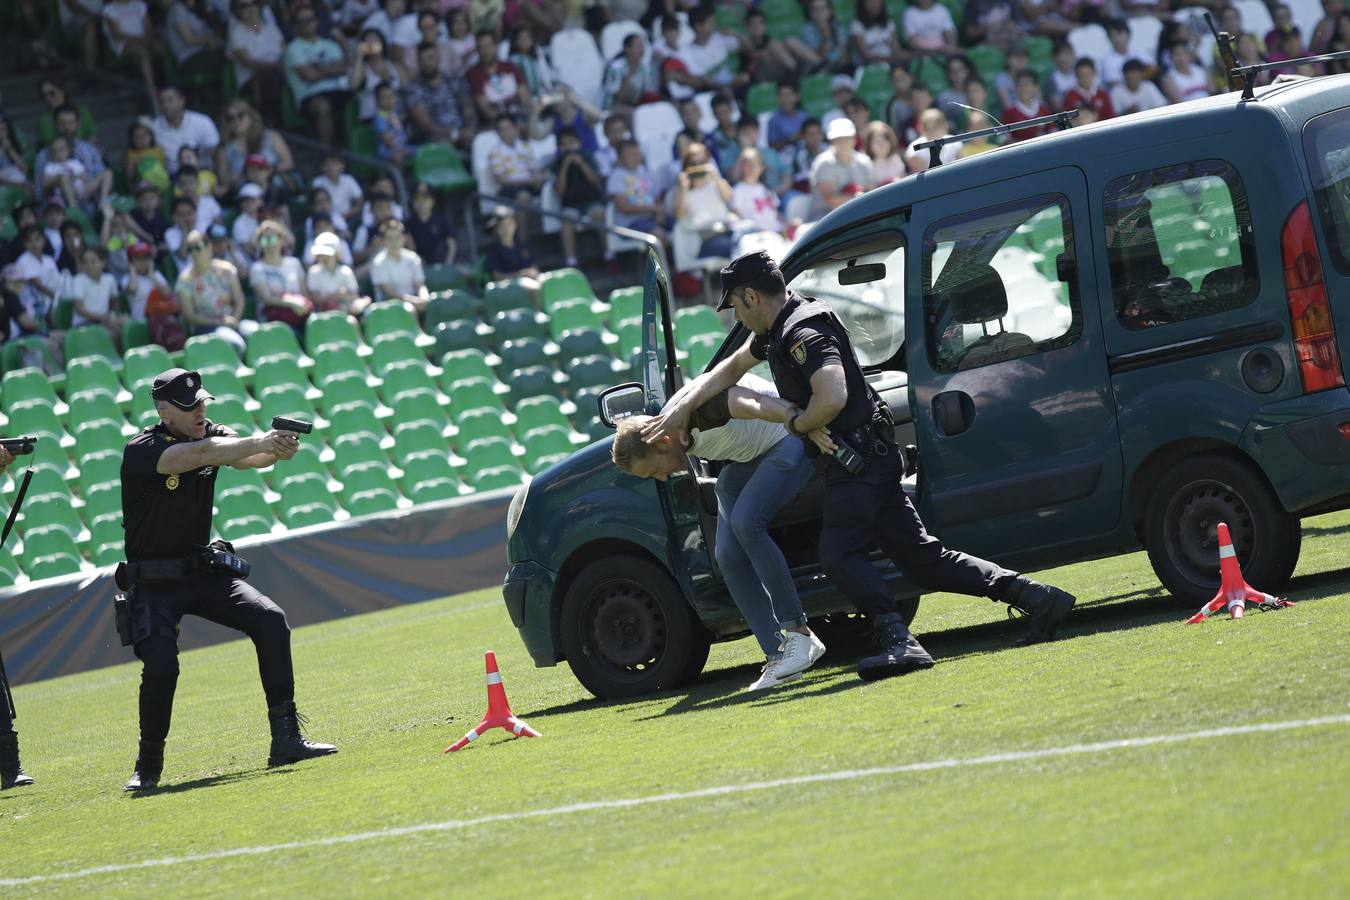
674,419
744,403
221,451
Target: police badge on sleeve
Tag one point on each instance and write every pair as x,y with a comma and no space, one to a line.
798,353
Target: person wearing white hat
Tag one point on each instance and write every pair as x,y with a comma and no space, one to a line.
331,285
840,173
246,223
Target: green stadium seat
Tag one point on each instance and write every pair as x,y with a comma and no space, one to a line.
701,349
404,379
474,393
816,98
240,527
419,439
304,516
587,415
512,324
97,468
534,381
307,502
396,349
279,371
470,363
522,352
487,452
695,321
450,306
561,285
534,413
337,359
322,329
19,352
590,371
102,504
94,373
225,384
304,466
357,419
367,489
625,304
40,421
285,400
141,364
391,317
498,477
135,333
206,351
349,391
48,481
9,568
232,481
91,340
244,514
419,407
273,339
98,438
26,387
546,446
574,315
231,412
576,344
500,296
51,511
445,277
143,413
354,450
464,334
630,341
53,565
762,98
96,406
428,477
441,167
368,502
107,533
479,425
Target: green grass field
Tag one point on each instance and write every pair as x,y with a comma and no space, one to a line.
935,784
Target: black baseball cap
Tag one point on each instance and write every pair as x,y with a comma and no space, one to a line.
180,387
743,270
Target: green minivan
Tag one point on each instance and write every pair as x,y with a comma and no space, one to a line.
1114,336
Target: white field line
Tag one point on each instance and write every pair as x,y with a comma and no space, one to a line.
702,793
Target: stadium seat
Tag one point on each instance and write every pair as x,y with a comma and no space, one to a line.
337,360
474,393
463,334
354,450
562,285
224,384
48,480
396,349
25,351
273,339
590,371
576,344
587,416
51,511
91,340
96,406
440,166
511,324
450,306
578,63
533,381
40,421
503,295
368,489
285,400
573,315
9,568
102,504
521,352
107,542
701,349
630,341
419,407
534,413
94,373
26,387
304,466
762,98
356,419
498,477
307,502
231,412
348,391
237,528
471,363
55,564
230,482
445,277
419,439
546,446
278,371
624,304
696,320
99,438
206,351
816,98
391,317
478,425
141,364
322,329
486,452
430,477
241,504
401,380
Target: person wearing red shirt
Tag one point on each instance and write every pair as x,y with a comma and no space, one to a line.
1089,90
497,88
1029,105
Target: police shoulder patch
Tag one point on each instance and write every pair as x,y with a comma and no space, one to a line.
798,352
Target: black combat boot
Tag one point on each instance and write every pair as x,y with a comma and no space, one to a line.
1045,607
288,742
11,770
149,765
900,652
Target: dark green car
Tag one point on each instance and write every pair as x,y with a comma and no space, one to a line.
1114,336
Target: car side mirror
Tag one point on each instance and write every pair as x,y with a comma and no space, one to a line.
1065,267
864,274
622,401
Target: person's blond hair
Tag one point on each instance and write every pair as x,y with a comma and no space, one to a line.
628,443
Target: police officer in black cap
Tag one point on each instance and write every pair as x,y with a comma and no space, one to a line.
814,366
11,769
172,569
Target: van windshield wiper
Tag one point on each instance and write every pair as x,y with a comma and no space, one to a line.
934,147
1248,74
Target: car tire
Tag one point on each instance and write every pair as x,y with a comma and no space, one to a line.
627,630
1181,534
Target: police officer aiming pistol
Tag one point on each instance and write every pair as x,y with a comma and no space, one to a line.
11,769
814,367
173,569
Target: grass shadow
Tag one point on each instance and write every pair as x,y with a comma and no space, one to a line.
208,781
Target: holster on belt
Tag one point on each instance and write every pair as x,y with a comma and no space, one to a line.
131,609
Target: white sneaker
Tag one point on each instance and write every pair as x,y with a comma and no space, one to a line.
771,678
799,652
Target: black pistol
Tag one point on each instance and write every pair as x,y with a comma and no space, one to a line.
281,423
19,446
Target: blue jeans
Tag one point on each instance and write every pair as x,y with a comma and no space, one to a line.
748,496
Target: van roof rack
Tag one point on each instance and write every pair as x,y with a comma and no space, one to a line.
1248,73
934,147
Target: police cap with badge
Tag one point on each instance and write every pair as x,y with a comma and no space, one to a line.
180,387
746,271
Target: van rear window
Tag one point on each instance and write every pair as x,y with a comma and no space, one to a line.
1326,142
1179,243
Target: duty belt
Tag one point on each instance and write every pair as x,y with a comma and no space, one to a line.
876,438
163,569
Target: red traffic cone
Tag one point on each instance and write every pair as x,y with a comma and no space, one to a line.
498,713
1234,591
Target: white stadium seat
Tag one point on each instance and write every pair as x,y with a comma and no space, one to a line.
483,142
577,61
1090,41
1307,13
655,126
1255,17
706,120
615,33
1144,34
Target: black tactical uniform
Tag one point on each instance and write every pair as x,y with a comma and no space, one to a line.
11,770
168,529
870,507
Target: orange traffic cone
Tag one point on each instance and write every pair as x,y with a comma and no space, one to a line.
1234,591
498,714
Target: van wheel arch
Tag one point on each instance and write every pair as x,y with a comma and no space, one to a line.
1164,458
581,558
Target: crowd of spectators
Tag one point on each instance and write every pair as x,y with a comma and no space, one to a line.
196,214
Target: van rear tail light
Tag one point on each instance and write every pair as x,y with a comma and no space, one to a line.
1319,359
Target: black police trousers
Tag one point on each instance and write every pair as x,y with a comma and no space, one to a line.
6,713
870,509
217,598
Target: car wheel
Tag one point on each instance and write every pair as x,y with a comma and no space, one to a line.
1181,528
626,630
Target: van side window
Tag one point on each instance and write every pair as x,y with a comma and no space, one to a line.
1179,243
1000,283
874,311
1326,142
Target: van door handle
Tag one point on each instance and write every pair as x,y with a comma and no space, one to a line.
953,412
